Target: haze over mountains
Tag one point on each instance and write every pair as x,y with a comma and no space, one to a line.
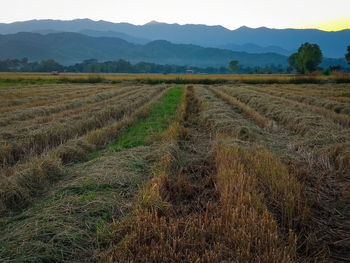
108,41
69,48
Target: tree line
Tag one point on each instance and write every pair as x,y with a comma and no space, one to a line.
93,66
123,66
305,61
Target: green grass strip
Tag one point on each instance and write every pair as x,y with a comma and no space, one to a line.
162,114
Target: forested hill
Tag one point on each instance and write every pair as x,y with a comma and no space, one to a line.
69,48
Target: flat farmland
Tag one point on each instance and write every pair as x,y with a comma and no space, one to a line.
175,173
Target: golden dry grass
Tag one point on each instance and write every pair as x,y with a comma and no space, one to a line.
240,175
339,118
24,113
211,214
52,96
52,134
314,168
171,78
315,130
66,111
16,193
319,100
249,112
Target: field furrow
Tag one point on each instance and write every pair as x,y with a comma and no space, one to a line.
17,96
194,202
88,199
17,130
50,100
315,173
20,183
322,101
311,90
221,116
328,142
56,133
31,113
248,111
338,118
317,131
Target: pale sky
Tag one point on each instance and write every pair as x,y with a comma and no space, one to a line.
322,14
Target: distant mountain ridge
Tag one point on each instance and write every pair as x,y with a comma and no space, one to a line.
126,37
253,48
283,41
69,48
95,33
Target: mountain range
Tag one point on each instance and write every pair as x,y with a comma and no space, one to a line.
258,40
74,41
69,48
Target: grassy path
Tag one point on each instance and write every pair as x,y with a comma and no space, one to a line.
162,114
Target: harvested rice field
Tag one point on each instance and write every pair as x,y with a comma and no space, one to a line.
175,173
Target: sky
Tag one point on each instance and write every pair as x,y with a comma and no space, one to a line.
322,14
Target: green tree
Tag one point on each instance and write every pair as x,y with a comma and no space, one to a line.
234,66
308,58
347,56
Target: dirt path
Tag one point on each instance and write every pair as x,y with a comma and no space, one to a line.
196,149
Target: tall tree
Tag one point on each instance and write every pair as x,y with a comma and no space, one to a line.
309,57
347,56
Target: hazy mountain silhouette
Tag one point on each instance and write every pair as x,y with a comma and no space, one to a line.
68,48
333,44
96,33
253,48
126,37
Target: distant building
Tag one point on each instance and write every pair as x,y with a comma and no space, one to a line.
189,71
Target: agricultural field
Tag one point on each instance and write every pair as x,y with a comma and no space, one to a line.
25,79
126,171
